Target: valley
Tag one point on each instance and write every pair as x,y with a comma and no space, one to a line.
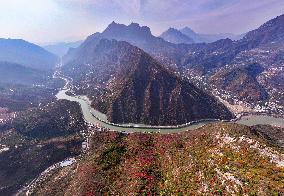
95,117
125,112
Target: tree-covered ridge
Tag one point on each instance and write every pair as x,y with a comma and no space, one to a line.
218,159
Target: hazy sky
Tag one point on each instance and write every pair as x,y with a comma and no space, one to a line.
44,21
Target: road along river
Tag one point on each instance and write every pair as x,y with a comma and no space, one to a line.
95,117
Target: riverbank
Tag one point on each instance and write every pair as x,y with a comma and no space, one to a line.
90,116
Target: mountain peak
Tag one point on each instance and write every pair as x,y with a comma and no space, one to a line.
173,30
137,27
134,24
113,25
133,33
140,84
139,36
188,29
175,36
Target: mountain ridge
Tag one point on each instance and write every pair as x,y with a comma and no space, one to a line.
165,52
25,53
228,158
137,89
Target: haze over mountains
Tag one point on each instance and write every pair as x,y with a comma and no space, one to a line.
220,64
141,36
175,36
60,49
134,77
187,35
205,60
27,54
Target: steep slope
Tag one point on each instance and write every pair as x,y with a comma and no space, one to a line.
175,36
131,87
11,73
241,82
27,54
271,31
208,57
36,139
222,52
218,159
263,47
150,94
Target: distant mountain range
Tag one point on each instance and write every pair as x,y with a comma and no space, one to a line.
24,53
135,88
175,36
135,77
208,57
140,36
220,64
209,38
60,49
188,36
225,65
245,70
167,53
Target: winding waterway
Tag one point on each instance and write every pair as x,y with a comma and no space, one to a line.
94,117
